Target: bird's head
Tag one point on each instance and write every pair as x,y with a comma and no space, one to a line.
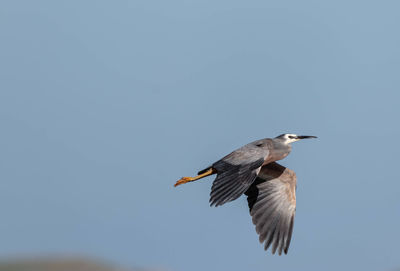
290,138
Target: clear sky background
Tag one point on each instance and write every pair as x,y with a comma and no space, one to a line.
105,104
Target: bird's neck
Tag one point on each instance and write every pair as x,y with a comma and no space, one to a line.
281,150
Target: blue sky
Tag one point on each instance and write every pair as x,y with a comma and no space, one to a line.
105,104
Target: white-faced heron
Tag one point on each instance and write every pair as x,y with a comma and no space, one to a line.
270,188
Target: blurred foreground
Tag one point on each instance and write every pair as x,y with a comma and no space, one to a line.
61,264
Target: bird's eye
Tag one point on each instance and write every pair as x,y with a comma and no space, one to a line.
292,137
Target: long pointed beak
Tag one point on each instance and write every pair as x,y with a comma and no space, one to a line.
304,137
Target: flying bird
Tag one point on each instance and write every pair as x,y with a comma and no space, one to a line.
270,187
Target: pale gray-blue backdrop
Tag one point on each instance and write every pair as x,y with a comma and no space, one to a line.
105,104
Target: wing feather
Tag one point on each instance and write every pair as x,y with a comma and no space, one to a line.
272,203
238,170
233,180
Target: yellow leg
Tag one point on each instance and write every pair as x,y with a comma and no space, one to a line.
191,179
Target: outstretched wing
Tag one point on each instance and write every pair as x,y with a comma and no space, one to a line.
272,203
236,172
232,182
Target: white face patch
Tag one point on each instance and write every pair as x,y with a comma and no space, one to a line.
290,138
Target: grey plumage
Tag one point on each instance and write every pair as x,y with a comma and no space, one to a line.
238,170
270,188
224,189
272,204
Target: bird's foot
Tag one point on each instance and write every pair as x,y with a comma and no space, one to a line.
184,180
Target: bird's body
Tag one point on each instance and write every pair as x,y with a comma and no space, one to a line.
270,187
